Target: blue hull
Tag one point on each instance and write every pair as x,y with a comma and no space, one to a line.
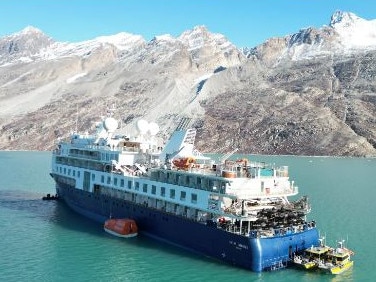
256,254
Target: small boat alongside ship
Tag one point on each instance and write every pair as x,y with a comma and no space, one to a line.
50,197
325,258
121,227
337,260
310,258
236,211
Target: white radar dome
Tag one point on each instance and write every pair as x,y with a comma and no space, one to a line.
153,128
110,124
142,126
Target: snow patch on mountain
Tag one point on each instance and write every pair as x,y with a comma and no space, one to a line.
122,40
199,36
76,77
354,31
28,30
165,38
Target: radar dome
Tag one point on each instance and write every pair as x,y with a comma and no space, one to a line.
110,124
153,128
142,126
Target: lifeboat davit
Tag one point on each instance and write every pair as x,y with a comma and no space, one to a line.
121,227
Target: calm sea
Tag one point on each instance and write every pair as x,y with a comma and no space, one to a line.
45,241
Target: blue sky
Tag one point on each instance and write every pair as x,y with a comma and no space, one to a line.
246,23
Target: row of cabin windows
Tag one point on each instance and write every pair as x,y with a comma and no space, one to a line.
84,153
109,156
183,194
172,193
191,181
68,171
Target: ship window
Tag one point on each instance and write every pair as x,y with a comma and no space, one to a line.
183,194
65,170
115,181
78,174
137,186
223,187
60,169
199,181
92,176
172,193
153,189
121,182
163,191
74,173
108,179
194,198
145,188
69,171
102,178
129,184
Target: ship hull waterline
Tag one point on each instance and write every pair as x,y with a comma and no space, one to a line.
255,254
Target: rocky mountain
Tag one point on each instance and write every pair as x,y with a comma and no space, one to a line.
23,46
309,93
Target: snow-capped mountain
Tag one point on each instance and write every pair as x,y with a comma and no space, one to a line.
312,92
23,45
345,34
354,32
31,44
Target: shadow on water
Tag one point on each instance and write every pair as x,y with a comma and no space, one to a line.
51,211
57,213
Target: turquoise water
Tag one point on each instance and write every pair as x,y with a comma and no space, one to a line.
45,241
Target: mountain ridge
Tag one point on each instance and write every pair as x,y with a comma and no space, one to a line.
299,94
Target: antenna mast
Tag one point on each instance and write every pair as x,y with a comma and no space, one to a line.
76,129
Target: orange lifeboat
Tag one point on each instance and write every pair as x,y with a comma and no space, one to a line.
122,227
228,174
183,163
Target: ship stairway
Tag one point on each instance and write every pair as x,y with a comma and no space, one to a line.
184,123
278,265
190,133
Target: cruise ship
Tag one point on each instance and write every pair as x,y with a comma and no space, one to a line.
234,210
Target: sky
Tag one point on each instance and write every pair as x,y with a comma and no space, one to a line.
246,23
